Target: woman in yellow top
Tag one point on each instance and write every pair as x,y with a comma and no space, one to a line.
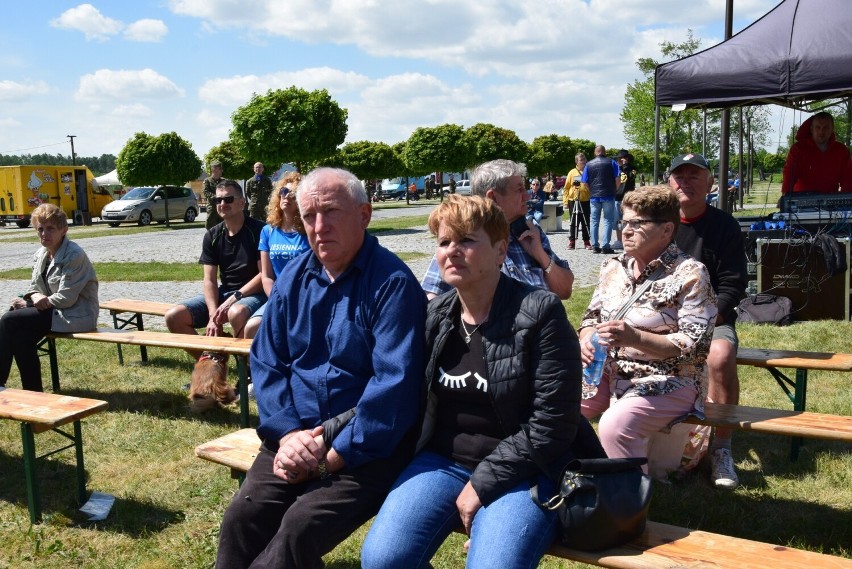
575,196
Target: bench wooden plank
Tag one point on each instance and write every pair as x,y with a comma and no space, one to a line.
664,545
153,308
661,545
46,411
760,357
777,421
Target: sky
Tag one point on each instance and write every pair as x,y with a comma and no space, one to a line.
105,70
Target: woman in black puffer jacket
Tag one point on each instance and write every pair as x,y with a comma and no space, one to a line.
503,390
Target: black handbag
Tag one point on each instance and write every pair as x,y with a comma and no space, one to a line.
600,502
766,309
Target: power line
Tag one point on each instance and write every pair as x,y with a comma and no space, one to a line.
33,148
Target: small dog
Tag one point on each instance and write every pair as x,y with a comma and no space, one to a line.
209,386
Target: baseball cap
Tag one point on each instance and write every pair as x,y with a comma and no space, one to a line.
694,159
622,154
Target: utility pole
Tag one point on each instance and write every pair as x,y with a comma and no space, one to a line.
73,154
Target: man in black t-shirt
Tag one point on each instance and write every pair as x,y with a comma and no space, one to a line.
229,252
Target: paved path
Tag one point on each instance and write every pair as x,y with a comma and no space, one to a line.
184,247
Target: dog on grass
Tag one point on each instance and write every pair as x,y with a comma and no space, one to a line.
209,387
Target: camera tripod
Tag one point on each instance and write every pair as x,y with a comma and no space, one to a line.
577,210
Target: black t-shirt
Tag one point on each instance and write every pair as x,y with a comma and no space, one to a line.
236,256
466,426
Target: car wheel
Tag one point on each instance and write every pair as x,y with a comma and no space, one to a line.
23,223
113,224
190,215
145,218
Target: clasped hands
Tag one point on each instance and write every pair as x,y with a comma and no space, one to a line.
299,454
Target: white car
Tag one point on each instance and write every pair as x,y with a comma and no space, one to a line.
462,188
146,204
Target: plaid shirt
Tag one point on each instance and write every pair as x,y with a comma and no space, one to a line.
518,265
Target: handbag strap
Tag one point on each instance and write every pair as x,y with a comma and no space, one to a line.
640,290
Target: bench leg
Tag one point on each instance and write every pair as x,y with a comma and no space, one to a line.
81,468
143,350
33,495
54,365
242,374
799,401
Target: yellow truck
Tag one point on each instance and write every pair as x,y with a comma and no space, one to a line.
72,188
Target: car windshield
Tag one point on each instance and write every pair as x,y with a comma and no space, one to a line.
138,194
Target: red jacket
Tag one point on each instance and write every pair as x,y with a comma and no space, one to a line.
808,169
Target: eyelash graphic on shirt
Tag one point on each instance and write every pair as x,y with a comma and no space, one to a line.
459,381
453,381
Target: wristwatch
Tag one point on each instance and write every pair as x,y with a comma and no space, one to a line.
322,469
549,266
238,295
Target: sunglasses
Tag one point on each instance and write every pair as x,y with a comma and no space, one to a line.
283,192
226,199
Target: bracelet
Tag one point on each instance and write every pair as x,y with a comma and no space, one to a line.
549,266
322,469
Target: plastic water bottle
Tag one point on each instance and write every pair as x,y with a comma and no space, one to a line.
592,373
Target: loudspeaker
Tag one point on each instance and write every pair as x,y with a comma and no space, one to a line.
797,269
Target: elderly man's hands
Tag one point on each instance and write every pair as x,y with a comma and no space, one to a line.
298,455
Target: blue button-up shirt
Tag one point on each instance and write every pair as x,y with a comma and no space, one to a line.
325,347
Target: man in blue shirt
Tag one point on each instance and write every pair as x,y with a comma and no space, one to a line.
529,257
603,176
343,331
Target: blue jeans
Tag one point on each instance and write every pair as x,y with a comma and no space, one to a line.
607,208
197,306
420,512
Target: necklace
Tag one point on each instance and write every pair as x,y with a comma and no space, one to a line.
467,334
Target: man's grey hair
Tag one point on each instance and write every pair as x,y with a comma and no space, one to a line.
495,176
347,179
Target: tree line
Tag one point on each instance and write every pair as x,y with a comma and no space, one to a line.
99,165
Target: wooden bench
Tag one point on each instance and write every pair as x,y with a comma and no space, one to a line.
40,412
237,347
661,545
802,362
777,421
120,306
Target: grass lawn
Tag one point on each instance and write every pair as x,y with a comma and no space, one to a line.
169,503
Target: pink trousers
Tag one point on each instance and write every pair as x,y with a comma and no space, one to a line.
627,425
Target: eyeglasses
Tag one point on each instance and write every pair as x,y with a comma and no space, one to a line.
637,223
283,192
225,199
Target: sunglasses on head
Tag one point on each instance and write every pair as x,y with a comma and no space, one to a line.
225,199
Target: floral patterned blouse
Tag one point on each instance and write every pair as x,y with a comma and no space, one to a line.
680,304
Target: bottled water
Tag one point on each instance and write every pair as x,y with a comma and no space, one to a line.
592,373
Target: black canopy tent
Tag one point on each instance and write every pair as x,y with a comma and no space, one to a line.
799,52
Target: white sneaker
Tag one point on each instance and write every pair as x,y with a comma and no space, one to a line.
723,473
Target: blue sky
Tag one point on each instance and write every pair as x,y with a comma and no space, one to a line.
105,70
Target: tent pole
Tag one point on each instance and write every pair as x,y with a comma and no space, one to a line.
724,144
656,144
740,160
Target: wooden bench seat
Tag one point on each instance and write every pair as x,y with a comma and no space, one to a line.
237,347
661,545
120,306
39,412
777,421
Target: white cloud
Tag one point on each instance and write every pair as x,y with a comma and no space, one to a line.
14,91
132,111
146,30
87,19
126,85
9,123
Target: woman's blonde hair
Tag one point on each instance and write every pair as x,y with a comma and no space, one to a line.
49,213
463,215
275,216
656,202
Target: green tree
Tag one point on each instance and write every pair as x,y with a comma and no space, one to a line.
234,165
164,159
441,148
488,142
552,154
369,160
679,131
289,125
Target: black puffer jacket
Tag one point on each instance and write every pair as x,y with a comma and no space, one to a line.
534,375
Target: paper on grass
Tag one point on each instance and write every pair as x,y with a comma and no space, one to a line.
98,506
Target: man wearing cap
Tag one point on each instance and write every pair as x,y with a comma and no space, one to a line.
713,237
627,184
258,190
603,176
209,191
